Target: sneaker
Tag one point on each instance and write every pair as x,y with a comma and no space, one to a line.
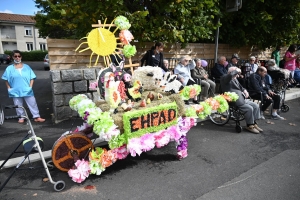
277,117
257,128
252,129
262,115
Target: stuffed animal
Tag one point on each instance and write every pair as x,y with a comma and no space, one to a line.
150,76
136,91
171,84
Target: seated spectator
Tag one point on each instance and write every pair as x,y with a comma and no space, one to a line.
251,67
229,83
166,65
182,70
219,69
272,66
234,63
206,84
257,86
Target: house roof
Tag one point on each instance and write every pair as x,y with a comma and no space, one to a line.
5,17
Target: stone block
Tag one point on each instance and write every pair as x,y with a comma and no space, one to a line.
96,96
71,75
67,98
80,86
89,74
62,112
58,100
55,75
62,87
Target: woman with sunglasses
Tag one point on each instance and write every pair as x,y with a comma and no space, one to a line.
19,79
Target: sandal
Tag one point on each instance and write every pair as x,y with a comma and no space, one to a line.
39,119
21,121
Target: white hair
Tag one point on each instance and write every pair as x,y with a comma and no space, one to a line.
252,58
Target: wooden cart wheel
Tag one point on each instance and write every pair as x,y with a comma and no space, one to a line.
66,146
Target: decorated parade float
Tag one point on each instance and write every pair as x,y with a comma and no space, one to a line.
138,111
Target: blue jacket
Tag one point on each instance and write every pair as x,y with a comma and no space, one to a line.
218,70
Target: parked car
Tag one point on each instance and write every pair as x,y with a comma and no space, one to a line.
5,59
46,63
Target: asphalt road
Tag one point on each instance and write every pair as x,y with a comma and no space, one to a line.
221,163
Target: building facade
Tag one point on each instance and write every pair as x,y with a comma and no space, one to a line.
19,32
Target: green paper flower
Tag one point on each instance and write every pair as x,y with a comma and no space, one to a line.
190,112
206,110
129,50
104,123
122,23
117,141
223,103
76,100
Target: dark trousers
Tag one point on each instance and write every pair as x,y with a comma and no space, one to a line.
266,102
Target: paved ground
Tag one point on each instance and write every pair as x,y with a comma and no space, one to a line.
221,163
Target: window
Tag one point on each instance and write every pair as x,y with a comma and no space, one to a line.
29,46
43,46
28,30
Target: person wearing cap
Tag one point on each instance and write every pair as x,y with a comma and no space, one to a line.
206,84
257,86
234,63
183,72
251,67
229,83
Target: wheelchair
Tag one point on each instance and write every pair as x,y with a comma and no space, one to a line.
233,113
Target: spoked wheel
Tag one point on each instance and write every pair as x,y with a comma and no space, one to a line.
238,128
284,108
59,186
237,115
220,118
1,115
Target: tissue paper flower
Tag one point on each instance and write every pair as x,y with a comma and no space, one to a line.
162,138
147,142
134,146
129,50
122,22
121,152
214,104
223,103
126,37
190,91
75,100
81,172
206,110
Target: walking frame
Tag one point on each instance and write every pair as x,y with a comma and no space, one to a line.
30,143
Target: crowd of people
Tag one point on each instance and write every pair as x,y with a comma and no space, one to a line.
250,80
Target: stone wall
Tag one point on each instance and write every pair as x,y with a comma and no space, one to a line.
68,83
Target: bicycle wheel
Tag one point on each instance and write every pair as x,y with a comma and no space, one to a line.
1,115
220,118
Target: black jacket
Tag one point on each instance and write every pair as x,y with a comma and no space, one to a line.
230,84
149,62
257,85
218,70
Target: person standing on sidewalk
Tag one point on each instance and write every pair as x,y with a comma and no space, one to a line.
19,79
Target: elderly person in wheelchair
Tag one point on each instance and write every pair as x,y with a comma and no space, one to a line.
229,83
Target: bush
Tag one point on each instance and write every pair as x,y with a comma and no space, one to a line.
31,55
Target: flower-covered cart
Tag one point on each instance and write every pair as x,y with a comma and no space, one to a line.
135,114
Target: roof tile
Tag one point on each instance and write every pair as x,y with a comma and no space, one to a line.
16,18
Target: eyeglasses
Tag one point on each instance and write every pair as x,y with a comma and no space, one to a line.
17,56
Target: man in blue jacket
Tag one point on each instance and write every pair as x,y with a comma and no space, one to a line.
258,86
219,69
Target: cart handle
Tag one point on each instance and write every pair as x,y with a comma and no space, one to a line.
11,106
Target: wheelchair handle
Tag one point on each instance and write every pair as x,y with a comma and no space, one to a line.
11,106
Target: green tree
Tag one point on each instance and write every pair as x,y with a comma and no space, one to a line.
169,20
263,23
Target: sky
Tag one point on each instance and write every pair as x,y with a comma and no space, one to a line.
22,7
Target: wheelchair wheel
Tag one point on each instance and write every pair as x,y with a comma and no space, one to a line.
220,118
1,115
284,108
238,128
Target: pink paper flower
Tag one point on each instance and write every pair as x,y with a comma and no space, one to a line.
162,138
147,142
125,36
134,146
182,154
174,132
121,152
81,172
